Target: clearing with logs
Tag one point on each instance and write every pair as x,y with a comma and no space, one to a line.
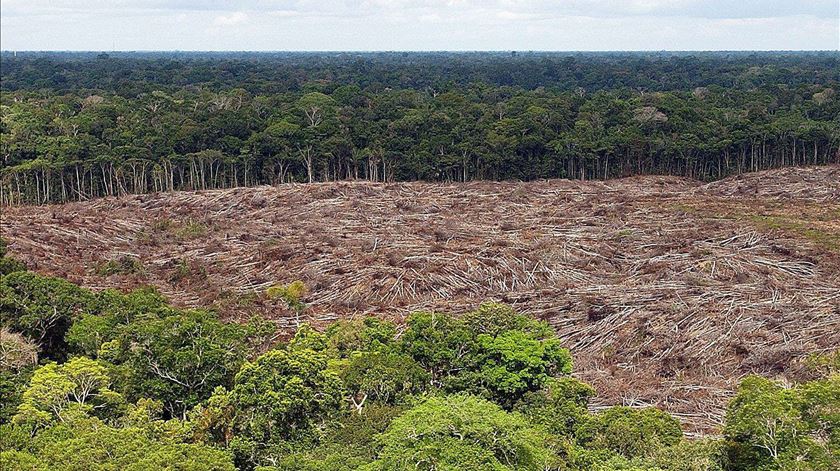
667,290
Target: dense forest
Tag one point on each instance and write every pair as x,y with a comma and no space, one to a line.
110,380
82,125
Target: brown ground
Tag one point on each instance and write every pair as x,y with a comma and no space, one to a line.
666,290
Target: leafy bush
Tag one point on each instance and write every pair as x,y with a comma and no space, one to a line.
121,266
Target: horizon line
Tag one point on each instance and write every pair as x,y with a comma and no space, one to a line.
409,50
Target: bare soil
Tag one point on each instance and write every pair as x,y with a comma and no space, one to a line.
666,290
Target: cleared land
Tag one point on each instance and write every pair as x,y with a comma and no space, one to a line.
666,290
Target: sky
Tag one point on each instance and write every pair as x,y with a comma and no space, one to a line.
368,25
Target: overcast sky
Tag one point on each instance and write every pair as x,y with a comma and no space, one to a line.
590,25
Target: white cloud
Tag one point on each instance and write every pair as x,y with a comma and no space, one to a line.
420,24
233,19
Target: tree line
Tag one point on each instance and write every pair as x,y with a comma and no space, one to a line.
110,380
130,74
81,145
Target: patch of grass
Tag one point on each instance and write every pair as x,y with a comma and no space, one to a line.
622,234
798,227
804,224
188,271
161,225
190,230
684,208
123,265
229,300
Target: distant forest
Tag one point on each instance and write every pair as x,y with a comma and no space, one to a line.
83,125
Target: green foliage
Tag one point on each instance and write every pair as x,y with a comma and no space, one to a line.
462,432
114,311
691,455
19,460
492,352
560,407
360,429
512,363
436,342
43,309
764,421
292,294
494,319
824,365
124,265
80,385
770,426
8,264
630,432
307,338
387,377
347,445
213,420
333,457
12,385
178,359
285,394
91,445
369,334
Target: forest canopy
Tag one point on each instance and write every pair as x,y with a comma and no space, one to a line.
82,125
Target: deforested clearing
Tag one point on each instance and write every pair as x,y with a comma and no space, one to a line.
667,290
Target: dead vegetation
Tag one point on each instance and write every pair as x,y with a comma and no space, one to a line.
666,290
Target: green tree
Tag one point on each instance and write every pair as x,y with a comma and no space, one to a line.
285,394
465,433
437,342
386,377
80,384
370,334
8,264
770,426
493,352
178,359
630,432
43,309
561,406
92,445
